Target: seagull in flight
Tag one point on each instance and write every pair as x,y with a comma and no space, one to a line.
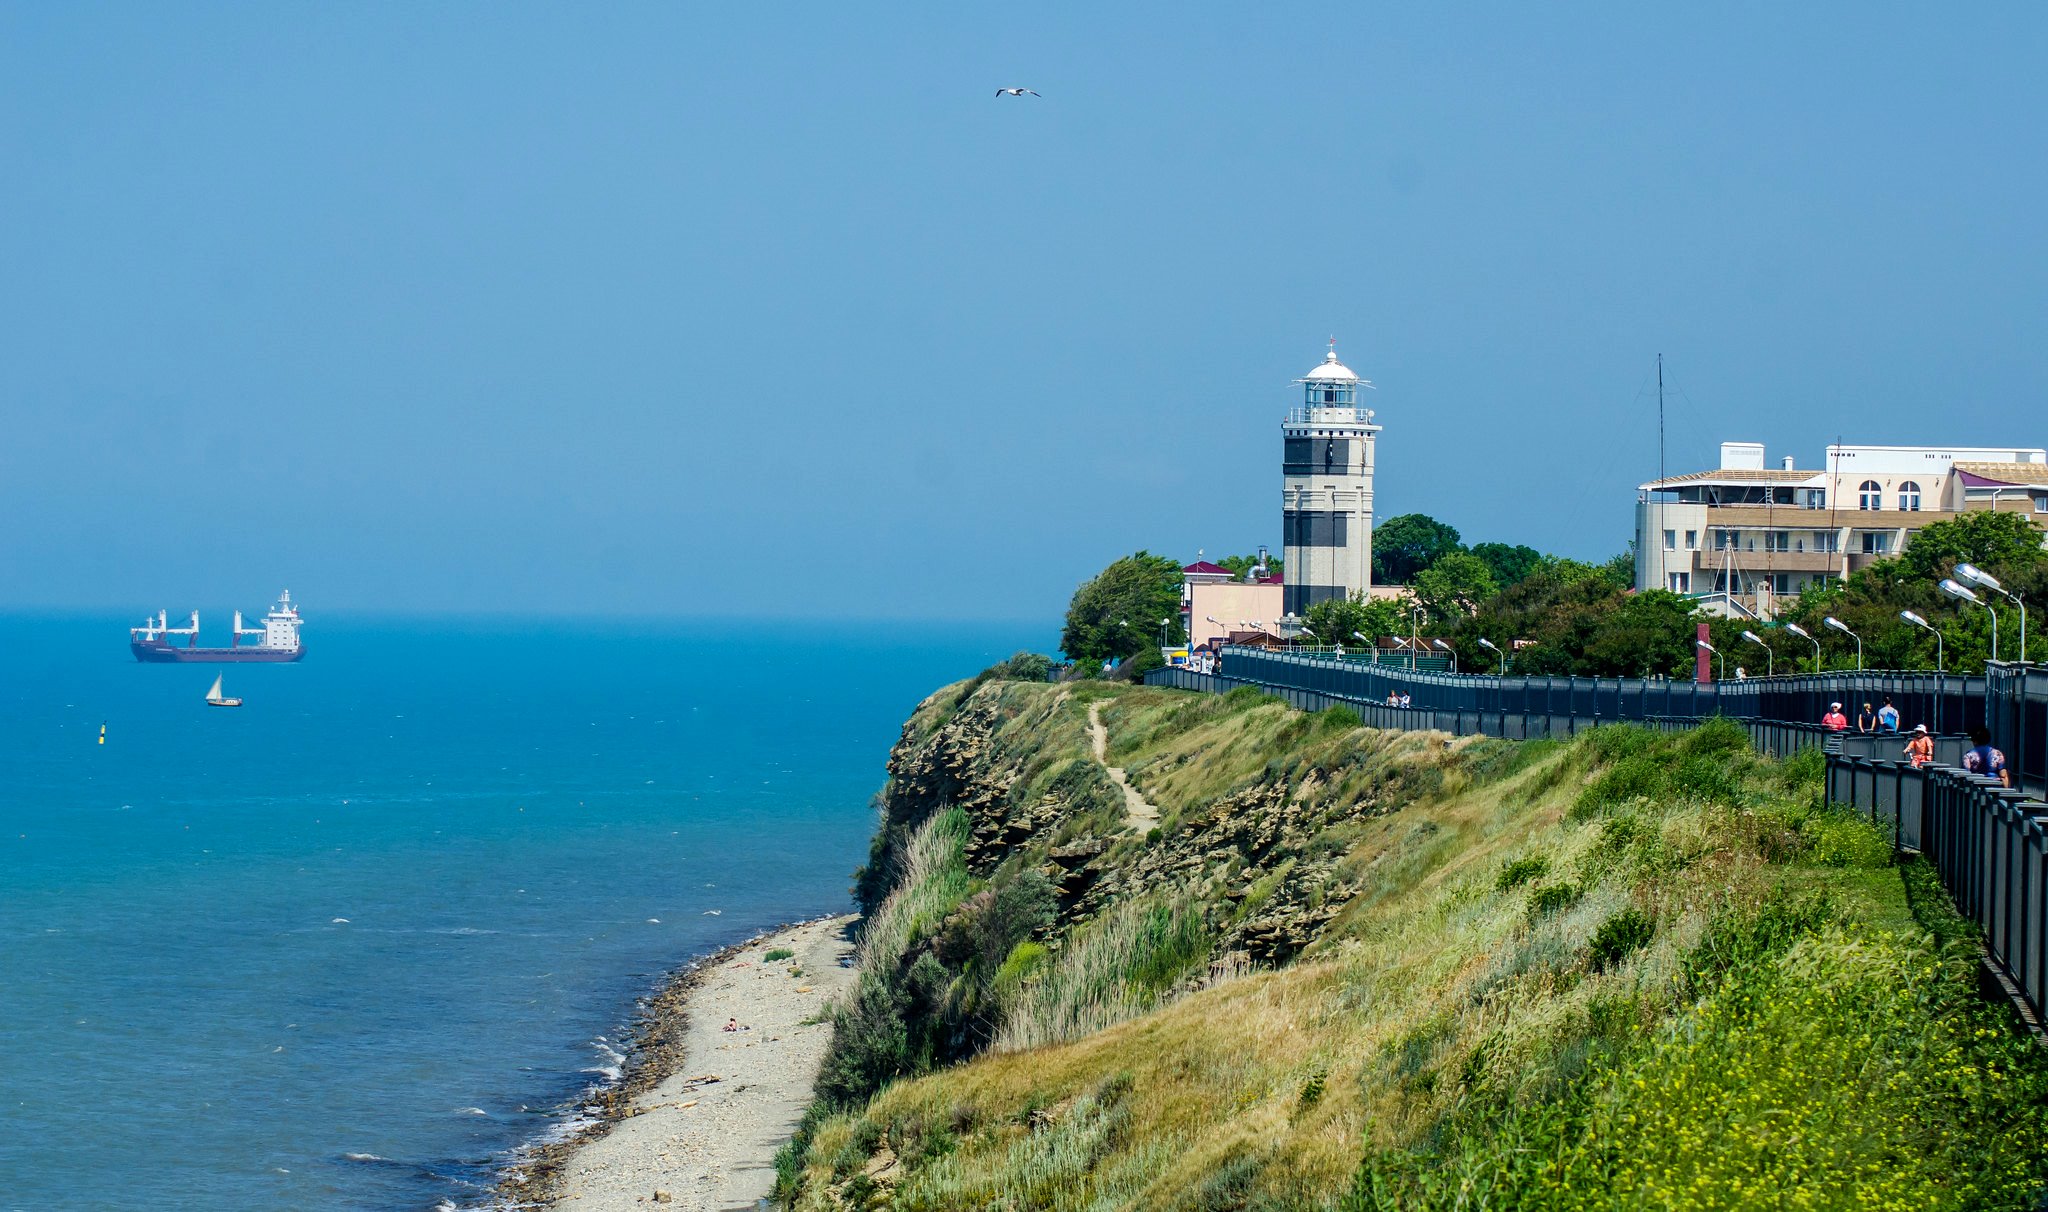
1017,92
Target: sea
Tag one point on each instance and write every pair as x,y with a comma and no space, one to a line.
352,944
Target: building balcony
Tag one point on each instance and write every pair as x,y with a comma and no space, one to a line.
1755,562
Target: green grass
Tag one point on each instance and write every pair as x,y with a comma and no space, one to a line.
1636,970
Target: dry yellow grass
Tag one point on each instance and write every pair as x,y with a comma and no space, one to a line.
1439,982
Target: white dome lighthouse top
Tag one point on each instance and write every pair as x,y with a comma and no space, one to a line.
1331,371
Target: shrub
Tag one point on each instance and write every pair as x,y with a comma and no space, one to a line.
1023,667
1521,871
1337,719
778,953
1620,936
990,923
1638,776
1312,1089
1551,898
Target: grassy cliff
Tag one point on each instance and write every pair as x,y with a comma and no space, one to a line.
1360,969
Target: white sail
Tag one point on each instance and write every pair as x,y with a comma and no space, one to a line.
213,695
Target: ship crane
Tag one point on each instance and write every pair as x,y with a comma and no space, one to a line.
240,631
190,629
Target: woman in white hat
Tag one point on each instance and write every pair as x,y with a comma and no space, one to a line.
1920,750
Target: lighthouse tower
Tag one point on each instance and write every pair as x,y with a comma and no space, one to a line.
1326,490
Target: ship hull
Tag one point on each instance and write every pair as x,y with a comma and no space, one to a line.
160,653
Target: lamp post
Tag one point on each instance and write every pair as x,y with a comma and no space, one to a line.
1308,630
1940,660
1842,627
1434,643
1770,657
1414,634
1977,576
1162,632
1803,634
1720,662
1940,663
1488,644
1962,593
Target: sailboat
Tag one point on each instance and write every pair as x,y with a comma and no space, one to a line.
214,699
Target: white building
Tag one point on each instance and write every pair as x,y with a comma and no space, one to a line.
1326,489
1744,534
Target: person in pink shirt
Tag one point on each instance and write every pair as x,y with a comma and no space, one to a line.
1834,720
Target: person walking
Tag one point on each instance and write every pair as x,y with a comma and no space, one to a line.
1834,720
1888,716
1985,759
1920,750
1866,719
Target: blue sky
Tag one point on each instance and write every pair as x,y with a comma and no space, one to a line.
734,310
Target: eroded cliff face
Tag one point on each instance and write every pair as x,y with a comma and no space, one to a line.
1016,761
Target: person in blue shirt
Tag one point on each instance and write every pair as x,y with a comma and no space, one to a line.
1985,759
1888,717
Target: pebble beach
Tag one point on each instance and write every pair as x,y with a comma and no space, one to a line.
701,1113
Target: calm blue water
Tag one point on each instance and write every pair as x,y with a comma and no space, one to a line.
523,825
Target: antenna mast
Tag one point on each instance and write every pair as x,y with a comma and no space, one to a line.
1660,419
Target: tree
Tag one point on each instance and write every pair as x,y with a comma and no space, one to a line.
1342,620
1647,633
1405,545
1984,538
1620,570
1116,614
1453,586
1510,564
1869,601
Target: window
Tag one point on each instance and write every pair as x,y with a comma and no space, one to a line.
2041,502
1725,539
1870,496
1315,528
1814,498
1671,540
1692,540
1680,582
1777,540
1877,542
1909,497
1826,540
1316,456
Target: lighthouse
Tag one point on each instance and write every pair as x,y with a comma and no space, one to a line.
1326,490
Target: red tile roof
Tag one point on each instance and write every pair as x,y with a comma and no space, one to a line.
1205,566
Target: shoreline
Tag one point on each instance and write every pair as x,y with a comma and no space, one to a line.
634,1141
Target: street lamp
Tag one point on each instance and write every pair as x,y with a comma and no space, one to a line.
1842,627
1940,663
1803,634
1308,630
1962,593
1486,643
1414,634
1447,648
1720,662
1770,657
1976,575
1162,632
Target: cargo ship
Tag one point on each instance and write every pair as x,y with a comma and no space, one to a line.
277,640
